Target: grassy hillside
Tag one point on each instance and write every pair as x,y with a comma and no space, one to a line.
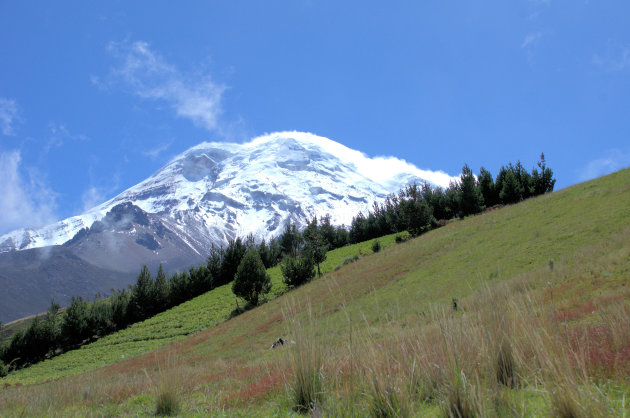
540,287
189,317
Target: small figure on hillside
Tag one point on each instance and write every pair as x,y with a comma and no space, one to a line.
454,304
277,343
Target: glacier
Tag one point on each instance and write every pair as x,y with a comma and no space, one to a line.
218,190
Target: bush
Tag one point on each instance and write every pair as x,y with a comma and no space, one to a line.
4,370
376,246
297,270
402,237
251,280
351,259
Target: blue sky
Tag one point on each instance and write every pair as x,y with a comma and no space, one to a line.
95,97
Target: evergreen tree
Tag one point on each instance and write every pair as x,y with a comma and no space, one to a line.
231,259
341,236
357,229
316,247
75,324
470,197
142,295
543,181
498,183
215,260
416,214
451,201
525,180
160,291
179,288
327,231
290,240
512,190
120,308
251,280
486,186
265,254
297,270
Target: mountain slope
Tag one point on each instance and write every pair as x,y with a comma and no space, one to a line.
206,196
584,229
215,191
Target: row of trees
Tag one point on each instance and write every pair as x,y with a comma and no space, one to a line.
418,208
242,259
83,320
301,252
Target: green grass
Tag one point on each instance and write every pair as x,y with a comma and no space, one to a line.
195,315
377,301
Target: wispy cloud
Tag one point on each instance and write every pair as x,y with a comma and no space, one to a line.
609,162
531,39
91,197
615,59
58,136
155,152
149,76
8,116
26,200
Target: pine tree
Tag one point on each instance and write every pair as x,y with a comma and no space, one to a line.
142,295
486,185
470,199
512,191
231,259
543,181
160,291
290,240
251,280
315,247
297,270
75,323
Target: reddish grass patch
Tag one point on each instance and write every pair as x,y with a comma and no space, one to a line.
577,312
259,389
602,357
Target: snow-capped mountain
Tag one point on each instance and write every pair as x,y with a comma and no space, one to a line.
215,191
207,195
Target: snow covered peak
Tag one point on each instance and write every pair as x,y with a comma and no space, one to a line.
380,169
216,190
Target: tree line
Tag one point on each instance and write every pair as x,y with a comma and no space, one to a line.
416,209
419,208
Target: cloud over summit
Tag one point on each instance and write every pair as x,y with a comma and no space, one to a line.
149,76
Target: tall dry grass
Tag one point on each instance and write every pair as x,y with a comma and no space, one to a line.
305,358
503,353
167,383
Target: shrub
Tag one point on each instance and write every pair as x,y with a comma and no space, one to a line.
251,280
402,237
376,246
351,259
297,270
4,370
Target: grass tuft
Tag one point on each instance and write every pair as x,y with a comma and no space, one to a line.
306,360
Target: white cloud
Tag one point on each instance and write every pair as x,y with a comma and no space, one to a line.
155,152
381,169
531,39
8,116
92,197
24,202
613,160
59,134
149,76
